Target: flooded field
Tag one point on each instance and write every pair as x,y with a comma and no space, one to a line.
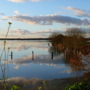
33,59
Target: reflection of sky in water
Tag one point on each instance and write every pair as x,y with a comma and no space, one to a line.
42,67
41,71
25,48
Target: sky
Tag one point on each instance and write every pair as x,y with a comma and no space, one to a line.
40,18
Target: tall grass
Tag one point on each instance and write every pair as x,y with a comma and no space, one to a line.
3,65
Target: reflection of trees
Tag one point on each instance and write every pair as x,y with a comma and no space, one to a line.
86,76
55,50
73,45
73,60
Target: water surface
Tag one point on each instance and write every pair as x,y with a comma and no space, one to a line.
20,62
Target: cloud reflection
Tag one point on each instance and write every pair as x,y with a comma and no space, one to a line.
40,59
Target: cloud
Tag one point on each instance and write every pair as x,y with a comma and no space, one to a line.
43,31
24,32
50,19
79,12
36,0
76,10
39,59
16,12
48,31
5,18
21,32
2,14
28,32
20,1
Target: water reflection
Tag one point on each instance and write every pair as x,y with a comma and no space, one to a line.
76,59
42,66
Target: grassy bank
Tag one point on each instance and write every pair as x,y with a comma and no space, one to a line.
37,84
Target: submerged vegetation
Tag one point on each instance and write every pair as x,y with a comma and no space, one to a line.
72,43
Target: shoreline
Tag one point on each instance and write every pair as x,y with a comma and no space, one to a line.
35,83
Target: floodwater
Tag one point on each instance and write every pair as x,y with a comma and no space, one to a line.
33,59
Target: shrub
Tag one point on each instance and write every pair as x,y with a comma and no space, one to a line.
78,86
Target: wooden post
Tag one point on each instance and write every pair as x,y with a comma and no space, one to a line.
52,55
32,55
11,55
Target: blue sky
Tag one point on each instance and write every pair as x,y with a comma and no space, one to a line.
39,18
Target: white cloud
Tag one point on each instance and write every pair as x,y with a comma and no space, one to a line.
2,14
76,10
48,31
79,12
27,32
5,18
36,0
21,32
19,1
16,12
47,19
50,19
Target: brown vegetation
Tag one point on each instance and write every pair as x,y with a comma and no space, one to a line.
73,44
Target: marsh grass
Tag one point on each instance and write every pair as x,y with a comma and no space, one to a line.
3,65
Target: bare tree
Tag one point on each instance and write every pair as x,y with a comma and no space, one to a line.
75,32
